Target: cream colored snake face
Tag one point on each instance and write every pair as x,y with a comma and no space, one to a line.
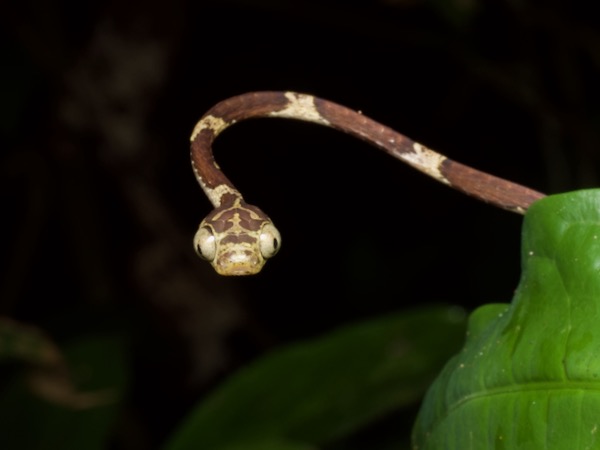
237,239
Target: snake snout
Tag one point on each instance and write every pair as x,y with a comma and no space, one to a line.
239,262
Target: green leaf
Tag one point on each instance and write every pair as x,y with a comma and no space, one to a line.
271,444
316,391
528,376
43,410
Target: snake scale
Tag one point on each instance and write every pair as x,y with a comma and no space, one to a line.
237,238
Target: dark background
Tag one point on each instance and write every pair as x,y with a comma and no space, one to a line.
99,204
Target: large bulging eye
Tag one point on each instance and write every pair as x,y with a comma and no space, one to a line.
269,241
205,243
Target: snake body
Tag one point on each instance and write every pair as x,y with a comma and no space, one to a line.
238,238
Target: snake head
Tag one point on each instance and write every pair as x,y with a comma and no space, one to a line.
237,239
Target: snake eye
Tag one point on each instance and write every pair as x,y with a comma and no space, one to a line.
205,243
270,241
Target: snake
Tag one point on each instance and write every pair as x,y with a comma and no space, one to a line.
237,238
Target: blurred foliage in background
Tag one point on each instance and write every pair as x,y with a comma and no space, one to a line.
113,335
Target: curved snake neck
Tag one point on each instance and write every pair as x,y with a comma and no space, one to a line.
238,238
